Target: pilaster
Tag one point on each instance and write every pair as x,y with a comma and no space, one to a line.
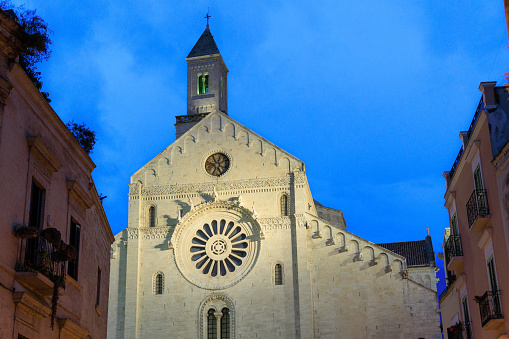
132,283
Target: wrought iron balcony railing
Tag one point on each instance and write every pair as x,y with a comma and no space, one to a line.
477,206
489,306
38,255
453,248
182,119
460,331
469,133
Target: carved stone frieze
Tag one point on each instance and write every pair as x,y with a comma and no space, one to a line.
134,189
209,187
132,233
276,223
155,232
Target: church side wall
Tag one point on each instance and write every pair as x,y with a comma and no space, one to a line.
359,293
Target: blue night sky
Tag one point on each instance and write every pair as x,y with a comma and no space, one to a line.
371,95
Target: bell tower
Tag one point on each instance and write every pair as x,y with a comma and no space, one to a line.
207,84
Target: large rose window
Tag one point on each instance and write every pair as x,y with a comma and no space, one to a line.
218,249
216,245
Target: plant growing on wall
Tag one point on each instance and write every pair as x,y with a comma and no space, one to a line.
35,41
83,134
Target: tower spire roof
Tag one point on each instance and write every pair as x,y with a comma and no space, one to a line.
205,45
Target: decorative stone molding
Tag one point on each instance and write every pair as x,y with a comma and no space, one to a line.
79,194
132,233
70,328
205,254
40,150
277,223
155,232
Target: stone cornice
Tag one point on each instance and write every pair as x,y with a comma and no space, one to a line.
41,108
33,305
473,137
69,327
79,194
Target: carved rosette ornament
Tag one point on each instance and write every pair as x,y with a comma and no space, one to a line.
217,244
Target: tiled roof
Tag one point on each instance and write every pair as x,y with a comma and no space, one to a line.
205,45
415,252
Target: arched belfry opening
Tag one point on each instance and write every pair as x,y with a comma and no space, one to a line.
207,83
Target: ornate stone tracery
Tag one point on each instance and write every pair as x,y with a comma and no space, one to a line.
217,244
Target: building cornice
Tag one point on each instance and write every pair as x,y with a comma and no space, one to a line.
468,152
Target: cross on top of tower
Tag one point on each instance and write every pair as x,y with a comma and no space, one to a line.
207,17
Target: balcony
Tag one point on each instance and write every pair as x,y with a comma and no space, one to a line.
38,266
490,310
477,211
459,331
454,254
183,119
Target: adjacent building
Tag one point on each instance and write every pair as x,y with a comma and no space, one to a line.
476,245
55,243
224,240
420,260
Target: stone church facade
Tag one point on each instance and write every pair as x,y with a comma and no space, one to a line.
225,241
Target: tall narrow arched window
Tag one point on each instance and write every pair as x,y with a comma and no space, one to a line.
222,88
284,205
206,84
225,324
211,325
158,283
278,274
152,216
198,83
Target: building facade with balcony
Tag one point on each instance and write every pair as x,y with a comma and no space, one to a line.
476,245
55,242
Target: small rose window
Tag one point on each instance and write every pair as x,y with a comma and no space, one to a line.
217,164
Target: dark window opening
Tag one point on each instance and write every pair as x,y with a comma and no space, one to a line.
284,205
74,240
225,324
98,295
211,325
36,215
152,216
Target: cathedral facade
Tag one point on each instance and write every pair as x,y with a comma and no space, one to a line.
224,240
